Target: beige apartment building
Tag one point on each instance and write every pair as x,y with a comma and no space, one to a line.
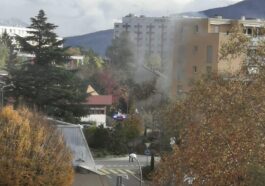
197,49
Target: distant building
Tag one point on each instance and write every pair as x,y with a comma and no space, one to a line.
197,47
97,105
151,35
13,31
75,62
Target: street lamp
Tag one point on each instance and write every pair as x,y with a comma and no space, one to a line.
134,156
147,151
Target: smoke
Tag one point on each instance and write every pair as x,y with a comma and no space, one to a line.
175,52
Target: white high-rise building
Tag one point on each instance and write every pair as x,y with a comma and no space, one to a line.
13,31
151,35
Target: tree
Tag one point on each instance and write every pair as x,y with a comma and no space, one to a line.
154,62
3,54
8,53
43,42
52,90
219,126
122,57
222,135
121,51
44,84
32,152
250,50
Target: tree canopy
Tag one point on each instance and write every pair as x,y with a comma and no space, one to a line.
43,42
32,151
219,126
7,51
44,84
222,134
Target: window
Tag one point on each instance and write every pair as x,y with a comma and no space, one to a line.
195,69
249,31
181,50
126,26
209,71
138,26
196,28
216,29
195,49
209,54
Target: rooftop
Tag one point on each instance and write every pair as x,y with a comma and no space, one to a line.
99,100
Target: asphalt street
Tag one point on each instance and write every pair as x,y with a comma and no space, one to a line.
114,167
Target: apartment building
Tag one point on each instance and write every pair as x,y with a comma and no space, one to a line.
197,49
151,35
12,30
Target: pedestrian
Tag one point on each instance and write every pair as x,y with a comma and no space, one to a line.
130,152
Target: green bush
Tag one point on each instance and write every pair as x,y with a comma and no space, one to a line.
114,140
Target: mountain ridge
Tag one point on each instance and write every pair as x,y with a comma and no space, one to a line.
98,41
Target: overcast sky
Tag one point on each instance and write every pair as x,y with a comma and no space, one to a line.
76,17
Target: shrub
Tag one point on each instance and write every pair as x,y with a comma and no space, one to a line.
147,173
32,152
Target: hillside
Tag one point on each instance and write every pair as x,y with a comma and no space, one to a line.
98,41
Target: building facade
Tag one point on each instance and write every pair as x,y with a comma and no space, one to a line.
152,36
13,31
97,106
197,47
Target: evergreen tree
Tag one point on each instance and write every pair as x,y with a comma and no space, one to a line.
121,52
43,42
8,53
43,84
122,58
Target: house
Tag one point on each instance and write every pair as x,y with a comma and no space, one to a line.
97,105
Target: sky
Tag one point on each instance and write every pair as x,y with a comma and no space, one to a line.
77,17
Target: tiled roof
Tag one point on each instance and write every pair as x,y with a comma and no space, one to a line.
99,100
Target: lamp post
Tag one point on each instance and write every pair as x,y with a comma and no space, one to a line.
134,156
2,93
147,145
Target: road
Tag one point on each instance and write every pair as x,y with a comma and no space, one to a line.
113,167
